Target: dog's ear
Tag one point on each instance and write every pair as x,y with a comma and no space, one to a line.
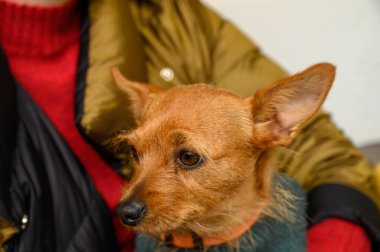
282,108
138,93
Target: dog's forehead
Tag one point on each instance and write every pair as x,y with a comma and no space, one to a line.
201,109
198,99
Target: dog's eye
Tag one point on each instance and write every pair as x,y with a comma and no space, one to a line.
189,159
133,153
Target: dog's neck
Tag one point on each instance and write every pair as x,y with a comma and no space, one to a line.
290,207
232,212
233,217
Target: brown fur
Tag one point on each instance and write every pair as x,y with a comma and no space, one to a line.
234,135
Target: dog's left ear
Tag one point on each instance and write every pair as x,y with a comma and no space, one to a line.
138,93
282,108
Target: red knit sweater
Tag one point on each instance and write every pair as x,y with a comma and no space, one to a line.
42,46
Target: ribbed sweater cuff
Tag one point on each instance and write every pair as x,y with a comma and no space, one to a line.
37,31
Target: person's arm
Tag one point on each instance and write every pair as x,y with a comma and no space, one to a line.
337,177
336,234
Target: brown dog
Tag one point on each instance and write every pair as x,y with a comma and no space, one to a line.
201,154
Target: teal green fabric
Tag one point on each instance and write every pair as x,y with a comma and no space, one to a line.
267,235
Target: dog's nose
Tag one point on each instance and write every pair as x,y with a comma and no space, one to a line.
131,212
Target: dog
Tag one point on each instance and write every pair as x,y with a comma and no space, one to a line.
202,160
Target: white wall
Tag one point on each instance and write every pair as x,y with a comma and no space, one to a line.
298,33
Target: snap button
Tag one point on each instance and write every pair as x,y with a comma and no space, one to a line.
167,74
24,221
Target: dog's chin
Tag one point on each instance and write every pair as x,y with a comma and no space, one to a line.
156,226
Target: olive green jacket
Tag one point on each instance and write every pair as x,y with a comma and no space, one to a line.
175,42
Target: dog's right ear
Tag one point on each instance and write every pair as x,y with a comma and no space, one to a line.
138,93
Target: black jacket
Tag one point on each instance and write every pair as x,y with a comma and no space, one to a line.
43,182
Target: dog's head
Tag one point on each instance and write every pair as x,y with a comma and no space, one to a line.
196,149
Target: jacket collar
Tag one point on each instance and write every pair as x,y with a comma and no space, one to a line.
114,38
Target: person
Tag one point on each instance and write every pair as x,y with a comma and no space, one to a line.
59,109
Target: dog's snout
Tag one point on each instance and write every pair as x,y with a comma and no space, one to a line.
131,212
